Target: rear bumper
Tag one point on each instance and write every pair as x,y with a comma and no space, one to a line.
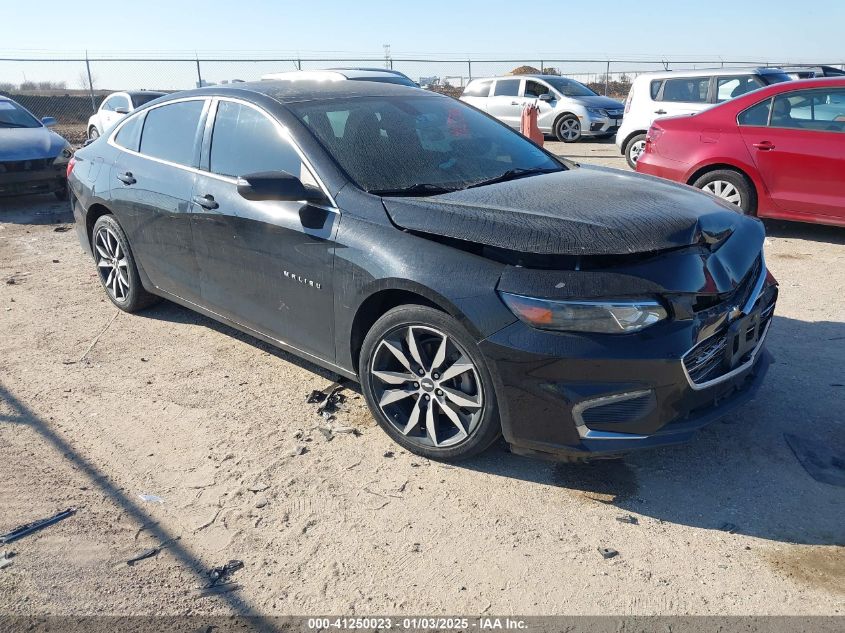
31,182
654,164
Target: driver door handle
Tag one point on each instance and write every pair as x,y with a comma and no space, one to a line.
206,202
126,178
764,146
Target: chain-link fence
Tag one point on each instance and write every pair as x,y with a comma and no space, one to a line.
72,89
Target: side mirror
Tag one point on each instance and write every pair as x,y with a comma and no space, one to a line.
122,110
546,97
49,121
276,185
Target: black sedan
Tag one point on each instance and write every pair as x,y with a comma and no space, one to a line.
33,158
473,283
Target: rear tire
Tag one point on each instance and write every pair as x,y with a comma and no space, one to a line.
731,186
447,412
93,133
568,129
116,266
634,149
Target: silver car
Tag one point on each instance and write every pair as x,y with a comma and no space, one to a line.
568,109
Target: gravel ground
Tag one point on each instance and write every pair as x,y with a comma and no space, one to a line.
98,407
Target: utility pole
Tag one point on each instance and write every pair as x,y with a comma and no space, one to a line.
90,83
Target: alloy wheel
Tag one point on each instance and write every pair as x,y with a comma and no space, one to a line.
94,134
570,129
112,264
636,150
427,386
725,190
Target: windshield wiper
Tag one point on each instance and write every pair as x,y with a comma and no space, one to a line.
417,189
513,174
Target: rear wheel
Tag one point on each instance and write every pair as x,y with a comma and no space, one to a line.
568,129
731,186
93,133
116,266
634,149
427,384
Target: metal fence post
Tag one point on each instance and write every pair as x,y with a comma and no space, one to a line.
469,69
90,83
298,64
199,74
607,79
542,66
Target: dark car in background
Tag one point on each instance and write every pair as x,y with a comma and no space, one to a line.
473,283
33,158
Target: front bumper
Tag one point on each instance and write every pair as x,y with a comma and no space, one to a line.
564,395
21,183
599,126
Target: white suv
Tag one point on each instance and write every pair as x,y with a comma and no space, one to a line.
676,92
116,106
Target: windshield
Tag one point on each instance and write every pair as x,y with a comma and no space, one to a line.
12,115
569,87
419,145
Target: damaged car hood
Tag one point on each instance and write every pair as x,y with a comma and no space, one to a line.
580,211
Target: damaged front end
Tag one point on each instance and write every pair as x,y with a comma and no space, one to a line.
619,347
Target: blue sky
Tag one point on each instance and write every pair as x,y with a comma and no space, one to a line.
759,30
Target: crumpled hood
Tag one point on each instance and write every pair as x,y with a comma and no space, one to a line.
598,101
29,143
582,211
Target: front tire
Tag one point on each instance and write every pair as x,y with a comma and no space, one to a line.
116,266
427,384
568,129
634,149
731,186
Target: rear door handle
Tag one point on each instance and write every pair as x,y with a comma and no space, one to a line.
764,146
660,111
206,201
126,178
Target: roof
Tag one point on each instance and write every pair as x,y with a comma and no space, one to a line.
142,93
707,72
287,91
333,74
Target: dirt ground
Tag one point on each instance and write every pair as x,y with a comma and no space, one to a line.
98,407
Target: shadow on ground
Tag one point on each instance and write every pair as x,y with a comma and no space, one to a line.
102,481
740,470
41,209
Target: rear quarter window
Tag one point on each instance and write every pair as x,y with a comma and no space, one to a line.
129,135
478,89
655,88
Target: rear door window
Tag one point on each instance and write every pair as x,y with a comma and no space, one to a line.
730,87
245,141
757,114
506,88
685,90
170,132
820,110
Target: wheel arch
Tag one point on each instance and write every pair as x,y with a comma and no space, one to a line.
702,170
386,297
561,115
95,212
627,139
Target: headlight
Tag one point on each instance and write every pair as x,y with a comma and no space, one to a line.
64,156
597,111
606,316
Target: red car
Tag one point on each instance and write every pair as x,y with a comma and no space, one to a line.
777,152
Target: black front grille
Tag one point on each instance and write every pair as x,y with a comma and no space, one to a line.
706,361
621,411
17,166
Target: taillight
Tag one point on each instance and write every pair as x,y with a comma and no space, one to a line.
628,100
70,165
654,133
